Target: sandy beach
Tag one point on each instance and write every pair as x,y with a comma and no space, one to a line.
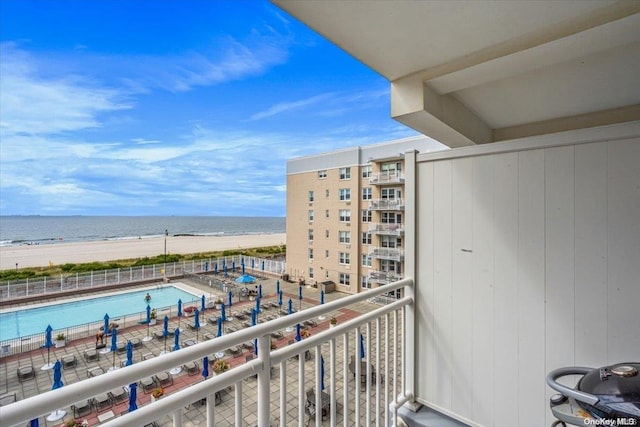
108,250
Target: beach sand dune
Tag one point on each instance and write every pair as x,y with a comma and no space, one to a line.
109,250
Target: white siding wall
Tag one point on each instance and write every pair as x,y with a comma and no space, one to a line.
527,260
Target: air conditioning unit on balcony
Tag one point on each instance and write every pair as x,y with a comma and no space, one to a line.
348,246
348,203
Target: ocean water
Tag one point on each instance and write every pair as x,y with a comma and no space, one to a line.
28,230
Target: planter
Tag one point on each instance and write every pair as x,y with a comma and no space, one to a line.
59,343
331,326
155,399
152,322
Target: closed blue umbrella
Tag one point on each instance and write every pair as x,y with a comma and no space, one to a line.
48,343
362,354
223,312
258,304
254,317
57,375
224,263
203,302
300,297
148,318
179,312
290,308
106,324
230,299
129,361
277,286
215,268
259,291
255,346
133,397
205,367
114,345
252,263
196,320
219,334
176,342
233,266
280,299
321,373
242,266
165,331
225,271
298,335
34,423
321,297
262,265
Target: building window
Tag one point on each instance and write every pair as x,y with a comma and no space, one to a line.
326,193
390,193
366,216
326,233
344,237
326,213
391,167
326,253
344,279
366,238
391,218
311,197
310,215
344,258
345,215
345,173
345,194
366,171
367,193
311,272
364,282
322,174
310,235
310,253
366,260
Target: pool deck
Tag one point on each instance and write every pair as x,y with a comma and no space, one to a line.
195,414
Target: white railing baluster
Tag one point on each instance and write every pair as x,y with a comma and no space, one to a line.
318,379
283,393
332,384
368,387
346,377
358,380
301,391
378,332
238,403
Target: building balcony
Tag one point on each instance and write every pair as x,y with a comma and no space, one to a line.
384,277
386,178
360,364
387,229
393,254
386,205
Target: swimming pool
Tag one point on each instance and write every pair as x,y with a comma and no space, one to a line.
21,323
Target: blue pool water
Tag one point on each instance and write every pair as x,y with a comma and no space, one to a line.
26,322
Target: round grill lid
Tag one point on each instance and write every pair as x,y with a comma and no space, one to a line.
617,387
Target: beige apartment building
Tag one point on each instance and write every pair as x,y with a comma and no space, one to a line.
345,215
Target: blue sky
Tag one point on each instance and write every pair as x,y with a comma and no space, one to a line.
171,107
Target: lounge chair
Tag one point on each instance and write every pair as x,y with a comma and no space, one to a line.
192,368
91,355
209,336
159,334
69,361
163,379
102,402
277,335
136,343
310,323
121,347
147,384
94,372
118,395
236,351
148,356
7,399
25,373
81,409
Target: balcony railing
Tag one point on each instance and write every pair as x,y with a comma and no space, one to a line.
393,177
384,277
387,229
384,374
394,254
387,205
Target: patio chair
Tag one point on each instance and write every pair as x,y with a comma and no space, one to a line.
91,355
192,368
147,384
94,372
118,395
310,405
69,361
81,409
163,379
8,398
102,402
26,373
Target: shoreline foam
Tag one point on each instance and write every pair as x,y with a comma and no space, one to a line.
110,250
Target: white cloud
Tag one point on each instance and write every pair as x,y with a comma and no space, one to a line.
283,107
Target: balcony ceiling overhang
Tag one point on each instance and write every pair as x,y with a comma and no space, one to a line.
470,72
